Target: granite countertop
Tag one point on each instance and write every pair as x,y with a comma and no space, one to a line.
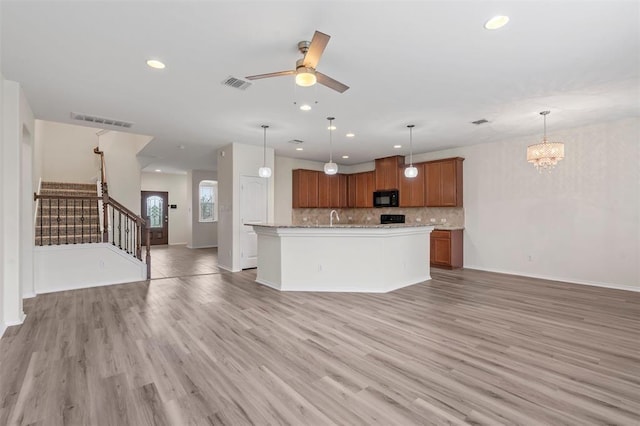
447,227
348,225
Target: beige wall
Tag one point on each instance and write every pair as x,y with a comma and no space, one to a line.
65,152
176,186
122,167
201,234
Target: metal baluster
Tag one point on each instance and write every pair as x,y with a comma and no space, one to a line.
113,225
50,224
119,229
99,236
81,221
75,207
58,220
41,236
66,221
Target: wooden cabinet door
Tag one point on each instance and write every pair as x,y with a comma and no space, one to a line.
446,249
448,183
324,190
343,187
305,189
412,190
351,189
433,193
365,183
444,183
442,251
386,173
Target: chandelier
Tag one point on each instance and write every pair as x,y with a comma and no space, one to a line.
545,155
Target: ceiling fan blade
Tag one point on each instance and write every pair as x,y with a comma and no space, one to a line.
331,83
271,74
318,43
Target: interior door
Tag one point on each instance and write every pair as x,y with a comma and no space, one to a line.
154,208
253,209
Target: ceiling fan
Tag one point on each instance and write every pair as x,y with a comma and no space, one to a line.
306,74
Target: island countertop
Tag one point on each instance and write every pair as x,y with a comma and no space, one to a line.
344,226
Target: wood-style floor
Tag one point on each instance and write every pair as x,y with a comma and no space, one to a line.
467,347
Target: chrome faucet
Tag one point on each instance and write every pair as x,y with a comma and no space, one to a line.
331,217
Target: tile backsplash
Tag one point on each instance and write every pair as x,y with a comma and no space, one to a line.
449,216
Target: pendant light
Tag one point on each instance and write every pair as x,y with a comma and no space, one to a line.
545,155
411,171
330,168
264,171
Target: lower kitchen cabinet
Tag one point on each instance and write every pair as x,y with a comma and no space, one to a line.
446,248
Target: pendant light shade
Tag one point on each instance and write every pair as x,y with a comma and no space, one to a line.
264,171
545,155
411,171
330,168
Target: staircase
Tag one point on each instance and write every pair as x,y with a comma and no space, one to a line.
68,213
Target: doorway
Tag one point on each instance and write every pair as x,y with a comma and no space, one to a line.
154,208
253,209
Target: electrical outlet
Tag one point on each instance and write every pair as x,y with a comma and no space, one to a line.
443,220
418,219
432,220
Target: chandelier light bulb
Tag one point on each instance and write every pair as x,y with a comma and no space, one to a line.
545,155
411,172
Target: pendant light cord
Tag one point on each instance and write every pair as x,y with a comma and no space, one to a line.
411,126
264,149
330,138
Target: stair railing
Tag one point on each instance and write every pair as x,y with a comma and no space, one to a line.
129,225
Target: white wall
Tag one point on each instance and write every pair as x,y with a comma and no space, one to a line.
65,152
581,223
17,208
73,266
201,234
176,186
3,325
237,160
122,167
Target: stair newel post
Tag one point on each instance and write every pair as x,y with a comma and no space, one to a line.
105,213
148,256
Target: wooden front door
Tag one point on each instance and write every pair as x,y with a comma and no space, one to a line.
154,208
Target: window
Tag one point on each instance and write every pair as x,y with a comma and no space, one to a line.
208,201
154,211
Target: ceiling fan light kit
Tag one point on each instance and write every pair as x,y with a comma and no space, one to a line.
305,72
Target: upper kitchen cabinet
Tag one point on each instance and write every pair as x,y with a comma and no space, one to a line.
305,188
443,182
361,187
387,172
412,189
332,190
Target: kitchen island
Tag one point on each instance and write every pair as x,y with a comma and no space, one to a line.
342,258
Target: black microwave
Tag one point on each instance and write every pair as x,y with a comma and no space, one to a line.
387,198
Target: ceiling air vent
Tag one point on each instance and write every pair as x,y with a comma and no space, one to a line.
100,120
236,83
479,122
296,141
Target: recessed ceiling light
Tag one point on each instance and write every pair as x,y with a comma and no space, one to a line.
305,107
350,135
158,170
496,22
331,128
154,63
397,146
299,149
181,146
345,156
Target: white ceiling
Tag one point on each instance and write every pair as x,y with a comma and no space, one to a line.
429,63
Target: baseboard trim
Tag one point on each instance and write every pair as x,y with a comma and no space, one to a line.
29,295
199,247
178,244
3,328
564,280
